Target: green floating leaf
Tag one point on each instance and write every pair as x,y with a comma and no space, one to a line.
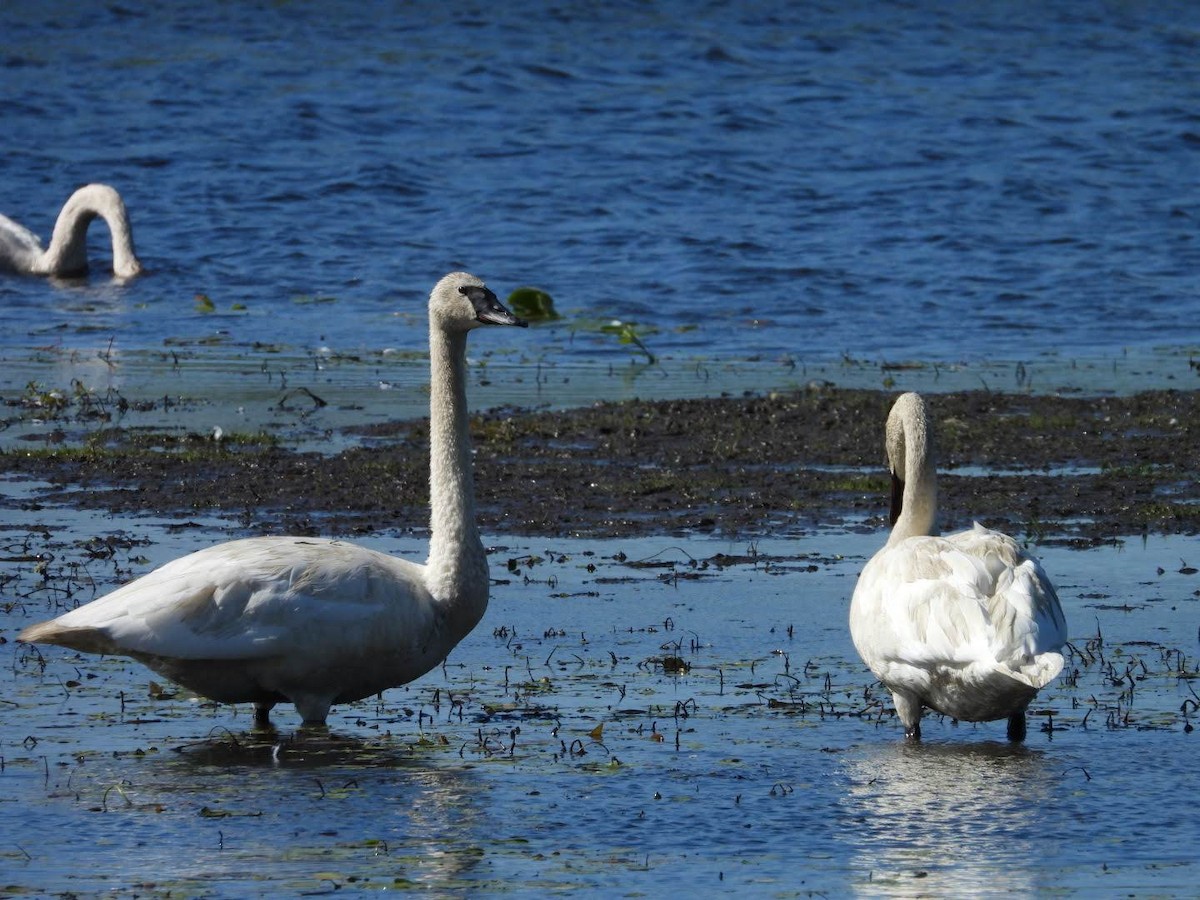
532,303
204,304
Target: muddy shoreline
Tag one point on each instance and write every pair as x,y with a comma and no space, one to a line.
1080,469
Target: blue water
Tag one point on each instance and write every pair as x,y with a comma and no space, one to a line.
620,777
945,182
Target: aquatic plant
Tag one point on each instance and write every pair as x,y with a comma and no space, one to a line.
533,304
629,333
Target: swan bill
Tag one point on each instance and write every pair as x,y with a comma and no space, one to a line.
897,506
488,308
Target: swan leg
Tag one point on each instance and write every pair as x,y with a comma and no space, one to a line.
262,714
313,709
909,711
1016,726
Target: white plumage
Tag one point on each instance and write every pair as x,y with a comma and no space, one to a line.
967,624
21,251
313,621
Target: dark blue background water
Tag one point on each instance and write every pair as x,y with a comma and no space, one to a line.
884,180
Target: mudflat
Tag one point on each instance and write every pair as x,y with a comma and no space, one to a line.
1073,468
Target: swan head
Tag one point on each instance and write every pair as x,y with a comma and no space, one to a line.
128,267
461,302
907,436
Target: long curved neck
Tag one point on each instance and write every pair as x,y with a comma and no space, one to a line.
917,473
457,566
67,253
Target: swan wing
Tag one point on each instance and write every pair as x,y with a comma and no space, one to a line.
919,603
972,599
253,599
20,248
1029,627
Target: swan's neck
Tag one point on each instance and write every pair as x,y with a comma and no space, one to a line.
457,571
67,253
917,472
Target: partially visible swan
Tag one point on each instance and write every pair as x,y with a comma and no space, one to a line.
313,621
968,624
21,251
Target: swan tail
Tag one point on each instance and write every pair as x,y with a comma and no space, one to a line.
985,692
84,639
1042,670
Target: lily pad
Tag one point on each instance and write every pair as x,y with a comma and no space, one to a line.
533,304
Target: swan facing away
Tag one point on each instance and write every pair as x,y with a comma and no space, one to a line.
312,621
21,251
968,624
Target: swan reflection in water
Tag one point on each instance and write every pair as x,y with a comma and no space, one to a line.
948,819
276,807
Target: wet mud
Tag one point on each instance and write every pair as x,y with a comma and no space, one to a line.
1073,468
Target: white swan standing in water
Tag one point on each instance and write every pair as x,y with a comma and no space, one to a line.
314,621
968,624
21,251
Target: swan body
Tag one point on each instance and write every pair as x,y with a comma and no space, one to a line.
967,624
312,621
21,251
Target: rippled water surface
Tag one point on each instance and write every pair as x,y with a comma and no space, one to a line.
764,194
786,181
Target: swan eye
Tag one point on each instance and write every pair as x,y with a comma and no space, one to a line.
479,296
482,299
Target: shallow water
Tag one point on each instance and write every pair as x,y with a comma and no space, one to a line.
629,711
769,194
326,402
764,181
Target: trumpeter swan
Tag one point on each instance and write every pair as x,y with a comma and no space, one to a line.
315,621
968,624
21,251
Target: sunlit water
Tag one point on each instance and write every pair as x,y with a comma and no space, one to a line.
563,745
